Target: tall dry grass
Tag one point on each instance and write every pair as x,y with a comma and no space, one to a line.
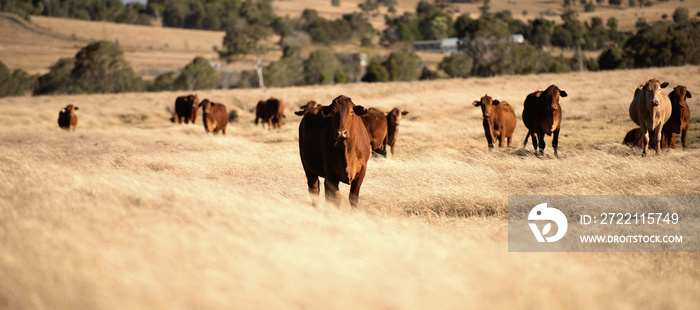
133,212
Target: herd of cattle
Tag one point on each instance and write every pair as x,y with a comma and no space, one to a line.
336,140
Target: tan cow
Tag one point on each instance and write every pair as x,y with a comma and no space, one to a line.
499,120
650,109
67,118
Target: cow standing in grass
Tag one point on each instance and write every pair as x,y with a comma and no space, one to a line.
650,109
334,144
376,125
186,108
499,120
393,120
542,115
67,118
214,116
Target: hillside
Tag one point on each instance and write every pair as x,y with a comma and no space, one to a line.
39,44
131,211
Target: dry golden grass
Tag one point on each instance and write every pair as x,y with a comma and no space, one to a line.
133,212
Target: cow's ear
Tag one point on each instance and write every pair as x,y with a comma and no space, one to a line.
664,84
562,93
404,112
63,110
326,111
476,103
76,108
496,102
300,113
687,94
359,110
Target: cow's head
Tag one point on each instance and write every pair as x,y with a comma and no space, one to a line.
678,96
393,117
69,109
206,105
309,106
487,105
342,112
651,92
552,94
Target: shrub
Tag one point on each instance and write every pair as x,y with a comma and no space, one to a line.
321,67
376,72
403,66
101,68
198,75
14,83
680,15
58,80
457,65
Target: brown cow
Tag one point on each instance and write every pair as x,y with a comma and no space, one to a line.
333,144
499,120
310,107
186,108
542,115
679,122
650,109
393,119
67,118
274,112
260,113
376,125
214,116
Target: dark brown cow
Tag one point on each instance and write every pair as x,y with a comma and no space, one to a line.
499,120
376,125
67,118
214,116
186,108
679,122
393,119
631,139
542,116
260,113
274,113
333,144
650,110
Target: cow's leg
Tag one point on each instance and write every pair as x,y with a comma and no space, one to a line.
534,140
683,137
502,140
555,142
670,141
645,141
355,187
223,130
540,141
332,192
312,182
657,134
392,147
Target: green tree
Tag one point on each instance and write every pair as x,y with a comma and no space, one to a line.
680,15
321,67
101,68
612,58
376,72
612,23
14,83
249,39
198,75
164,82
403,66
457,65
58,80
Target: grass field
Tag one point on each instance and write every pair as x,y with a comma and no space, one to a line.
133,212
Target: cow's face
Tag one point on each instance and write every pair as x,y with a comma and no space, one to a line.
206,105
394,116
69,109
487,105
552,97
194,100
679,95
342,112
652,92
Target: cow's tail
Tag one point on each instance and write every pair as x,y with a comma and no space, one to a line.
527,137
